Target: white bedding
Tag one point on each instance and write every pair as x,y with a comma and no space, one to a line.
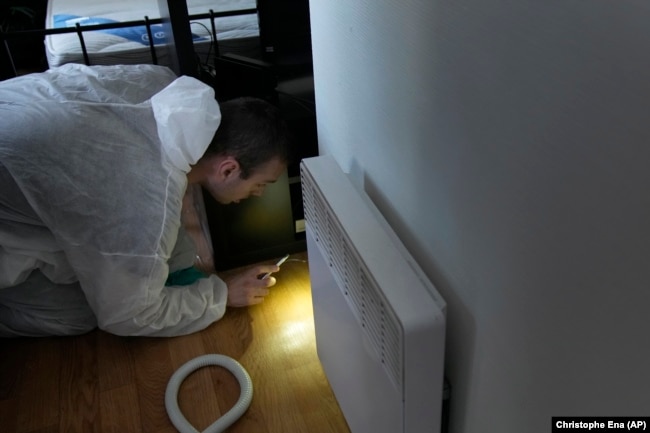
130,45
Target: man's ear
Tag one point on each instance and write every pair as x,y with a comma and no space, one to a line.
228,167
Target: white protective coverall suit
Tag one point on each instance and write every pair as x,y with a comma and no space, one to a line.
93,165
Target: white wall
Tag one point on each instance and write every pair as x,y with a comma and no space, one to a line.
508,143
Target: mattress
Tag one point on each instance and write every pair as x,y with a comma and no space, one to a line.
236,34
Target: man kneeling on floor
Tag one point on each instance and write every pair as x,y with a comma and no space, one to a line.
94,164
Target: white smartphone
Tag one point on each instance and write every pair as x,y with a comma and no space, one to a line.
279,263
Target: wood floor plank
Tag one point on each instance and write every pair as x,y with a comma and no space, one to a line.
153,368
47,429
236,324
38,400
115,362
120,410
13,356
79,385
7,411
252,421
286,415
316,401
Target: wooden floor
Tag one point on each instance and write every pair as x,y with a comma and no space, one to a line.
103,383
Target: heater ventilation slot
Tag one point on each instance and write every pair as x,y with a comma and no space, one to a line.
378,321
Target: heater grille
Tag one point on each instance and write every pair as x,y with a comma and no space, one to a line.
374,314
379,322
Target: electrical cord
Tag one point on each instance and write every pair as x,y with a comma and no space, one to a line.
226,420
205,64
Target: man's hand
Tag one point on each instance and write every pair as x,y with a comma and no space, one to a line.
245,288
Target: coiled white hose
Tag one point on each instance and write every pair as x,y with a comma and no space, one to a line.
171,394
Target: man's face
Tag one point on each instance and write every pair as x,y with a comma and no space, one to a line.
231,188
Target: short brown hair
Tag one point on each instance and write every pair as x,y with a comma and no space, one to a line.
252,131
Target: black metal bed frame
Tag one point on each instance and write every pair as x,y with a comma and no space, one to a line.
175,18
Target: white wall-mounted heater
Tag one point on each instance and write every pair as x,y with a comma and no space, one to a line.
380,323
